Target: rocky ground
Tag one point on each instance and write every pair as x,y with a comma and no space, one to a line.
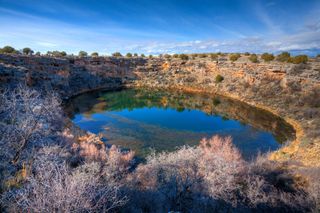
291,91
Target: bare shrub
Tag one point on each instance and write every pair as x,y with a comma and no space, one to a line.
165,180
54,187
118,162
312,182
270,185
27,120
220,163
311,97
212,178
182,178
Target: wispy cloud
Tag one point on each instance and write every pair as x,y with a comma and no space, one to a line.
298,42
154,28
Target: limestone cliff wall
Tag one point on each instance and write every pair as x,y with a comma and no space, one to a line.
69,76
289,90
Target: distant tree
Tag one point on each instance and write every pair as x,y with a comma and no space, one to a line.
116,54
213,56
8,50
234,56
27,51
194,55
299,59
167,56
56,53
175,55
160,56
267,57
135,54
246,53
318,56
142,55
283,57
253,58
203,55
150,56
128,55
63,53
38,53
82,54
222,54
184,57
94,54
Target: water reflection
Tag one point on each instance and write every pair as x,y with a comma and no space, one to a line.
141,119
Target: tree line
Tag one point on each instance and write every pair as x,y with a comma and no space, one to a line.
254,58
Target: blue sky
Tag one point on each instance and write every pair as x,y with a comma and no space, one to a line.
166,26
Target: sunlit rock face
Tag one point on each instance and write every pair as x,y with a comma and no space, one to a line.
289,90
70,76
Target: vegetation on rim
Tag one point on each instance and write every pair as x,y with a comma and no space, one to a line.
234,57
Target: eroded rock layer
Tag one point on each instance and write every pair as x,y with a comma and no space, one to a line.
291,91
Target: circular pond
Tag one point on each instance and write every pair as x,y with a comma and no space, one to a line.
142,119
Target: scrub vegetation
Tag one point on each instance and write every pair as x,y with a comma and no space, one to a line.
267,57
41,173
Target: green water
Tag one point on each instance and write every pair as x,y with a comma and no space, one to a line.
141,120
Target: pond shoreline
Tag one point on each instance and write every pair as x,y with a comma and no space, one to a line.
186,91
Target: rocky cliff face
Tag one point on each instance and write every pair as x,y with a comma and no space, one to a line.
289,90
68,76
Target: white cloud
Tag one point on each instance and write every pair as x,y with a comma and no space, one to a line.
47,44
297,42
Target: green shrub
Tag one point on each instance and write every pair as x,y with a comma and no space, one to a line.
8,50
57,53
94,54
175,55
167,56
216,101
143,55
234,57
283,57
27,51
318,56
203,55
184,57
194,55
128,55
219,78
214,56
253,58
83,54
150,56
246,53
116,54
267,57
299,59
63,53
135,54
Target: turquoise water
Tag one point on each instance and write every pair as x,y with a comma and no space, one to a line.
142,120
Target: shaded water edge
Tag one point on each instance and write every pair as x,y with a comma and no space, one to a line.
228,109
